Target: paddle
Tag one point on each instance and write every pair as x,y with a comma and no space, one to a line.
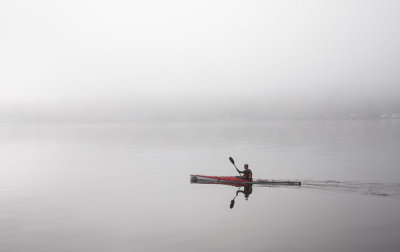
233,200
232,203
233,162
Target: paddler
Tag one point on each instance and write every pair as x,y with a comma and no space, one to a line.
247,174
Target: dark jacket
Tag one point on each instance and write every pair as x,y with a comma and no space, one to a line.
247,174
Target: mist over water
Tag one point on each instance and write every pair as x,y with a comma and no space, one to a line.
107,107
197,109
128,61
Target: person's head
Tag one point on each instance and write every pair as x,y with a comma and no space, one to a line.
246,166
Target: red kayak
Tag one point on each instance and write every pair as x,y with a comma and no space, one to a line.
236,180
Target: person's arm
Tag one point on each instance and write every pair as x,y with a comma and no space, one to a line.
239,170
238,191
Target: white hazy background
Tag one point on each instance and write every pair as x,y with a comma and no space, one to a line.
92,60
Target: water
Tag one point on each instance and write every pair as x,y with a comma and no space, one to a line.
126,187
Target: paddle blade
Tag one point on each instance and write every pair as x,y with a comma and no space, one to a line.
232,161
232,203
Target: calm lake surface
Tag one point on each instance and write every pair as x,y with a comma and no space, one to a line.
126,187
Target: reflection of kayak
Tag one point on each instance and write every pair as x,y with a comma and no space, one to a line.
236,180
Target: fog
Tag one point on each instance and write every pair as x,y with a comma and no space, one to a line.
208,60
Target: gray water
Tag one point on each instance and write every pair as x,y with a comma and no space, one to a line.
126,187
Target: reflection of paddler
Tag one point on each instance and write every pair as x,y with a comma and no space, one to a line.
247,190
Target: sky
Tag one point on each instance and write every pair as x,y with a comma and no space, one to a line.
120,59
